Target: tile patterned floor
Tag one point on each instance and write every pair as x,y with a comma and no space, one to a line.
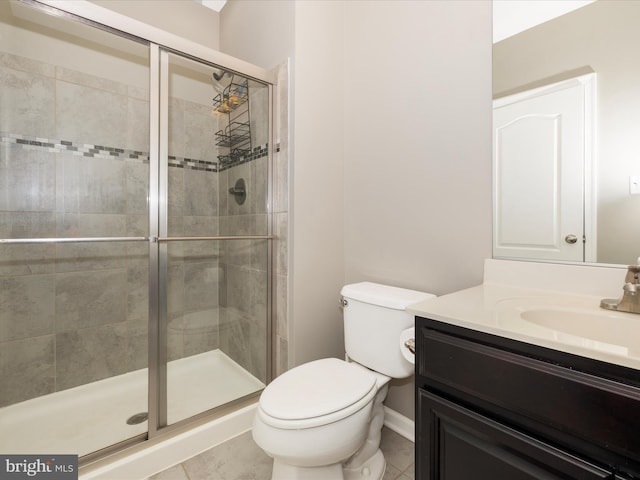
241,459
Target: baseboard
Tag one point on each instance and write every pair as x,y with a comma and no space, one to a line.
399,423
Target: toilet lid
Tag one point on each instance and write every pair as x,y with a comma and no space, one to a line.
316,388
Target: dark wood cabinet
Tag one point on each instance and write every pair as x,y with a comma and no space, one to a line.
464,445
494,408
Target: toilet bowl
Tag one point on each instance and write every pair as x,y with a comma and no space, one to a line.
322,420
316,416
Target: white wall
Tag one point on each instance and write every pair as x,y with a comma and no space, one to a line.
188,19
257,31
418,143
417,169
318,188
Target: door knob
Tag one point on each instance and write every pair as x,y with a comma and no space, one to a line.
571,238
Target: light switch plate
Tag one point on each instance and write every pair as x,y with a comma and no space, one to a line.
634,185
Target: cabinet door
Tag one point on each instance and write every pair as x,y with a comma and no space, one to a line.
454,443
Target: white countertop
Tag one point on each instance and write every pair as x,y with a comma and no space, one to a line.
520,313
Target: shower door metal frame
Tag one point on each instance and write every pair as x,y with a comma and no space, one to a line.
161,43
159,235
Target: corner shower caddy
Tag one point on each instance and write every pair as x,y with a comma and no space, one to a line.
235,138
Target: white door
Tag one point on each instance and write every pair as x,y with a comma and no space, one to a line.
539,173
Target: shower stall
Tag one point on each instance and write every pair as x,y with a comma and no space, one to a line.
135,231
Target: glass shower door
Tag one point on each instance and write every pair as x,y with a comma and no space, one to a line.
213,229
134,259
74,180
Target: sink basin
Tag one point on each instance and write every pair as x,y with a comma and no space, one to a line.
576,321
604,327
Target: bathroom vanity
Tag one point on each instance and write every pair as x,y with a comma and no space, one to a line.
514,382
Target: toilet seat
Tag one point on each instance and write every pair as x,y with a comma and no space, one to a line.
316,393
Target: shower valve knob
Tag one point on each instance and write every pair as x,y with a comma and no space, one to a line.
239,191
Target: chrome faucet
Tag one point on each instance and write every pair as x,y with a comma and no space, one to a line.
630,301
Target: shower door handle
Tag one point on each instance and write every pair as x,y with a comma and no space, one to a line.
16,241
227,237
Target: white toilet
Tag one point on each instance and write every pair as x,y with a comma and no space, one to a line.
322,420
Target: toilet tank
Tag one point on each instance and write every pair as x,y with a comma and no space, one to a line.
374,317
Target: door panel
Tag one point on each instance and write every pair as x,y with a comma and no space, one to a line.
539,151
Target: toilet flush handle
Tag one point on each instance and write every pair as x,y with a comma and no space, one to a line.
343,302
411,345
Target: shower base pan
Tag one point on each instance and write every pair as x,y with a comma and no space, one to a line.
90,417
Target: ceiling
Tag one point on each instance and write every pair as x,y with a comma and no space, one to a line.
514,16
509,16
212,4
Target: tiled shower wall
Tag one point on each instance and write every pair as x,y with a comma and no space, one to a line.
243,263
70,313
193,275
73,162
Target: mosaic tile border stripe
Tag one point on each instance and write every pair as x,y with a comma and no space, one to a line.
75,148
257,152
113,153
192,164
